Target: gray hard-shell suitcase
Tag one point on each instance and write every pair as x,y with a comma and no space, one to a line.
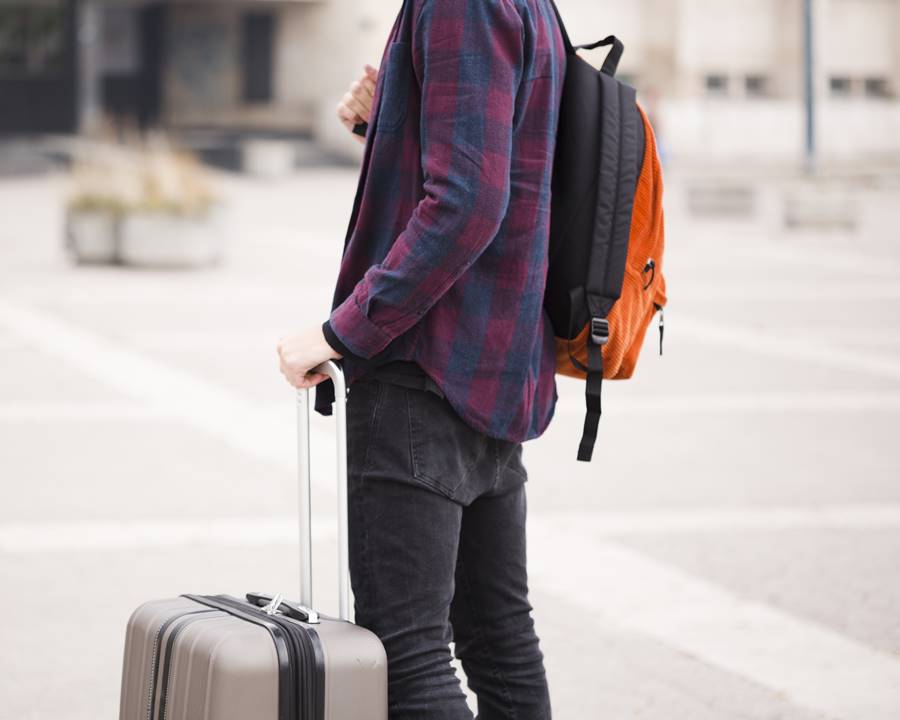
216,657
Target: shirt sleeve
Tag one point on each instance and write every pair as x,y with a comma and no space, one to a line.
469,56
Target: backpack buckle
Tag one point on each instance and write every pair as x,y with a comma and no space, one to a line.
599,331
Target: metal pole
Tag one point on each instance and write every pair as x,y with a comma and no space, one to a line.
334,371
87,42
809,91
303,453
340,411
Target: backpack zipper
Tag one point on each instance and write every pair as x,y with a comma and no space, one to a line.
650,266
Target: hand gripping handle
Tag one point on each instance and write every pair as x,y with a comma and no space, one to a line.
333,370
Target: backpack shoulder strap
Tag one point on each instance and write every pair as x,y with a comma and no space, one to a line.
616,187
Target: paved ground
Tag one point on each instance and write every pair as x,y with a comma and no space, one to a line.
733,554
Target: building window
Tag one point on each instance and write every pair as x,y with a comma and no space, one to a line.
756,86
32,39
717,85
877,87
258,33
841,86
121,47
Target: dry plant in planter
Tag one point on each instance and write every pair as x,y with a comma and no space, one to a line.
144,205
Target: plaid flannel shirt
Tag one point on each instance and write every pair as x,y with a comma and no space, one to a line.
445,259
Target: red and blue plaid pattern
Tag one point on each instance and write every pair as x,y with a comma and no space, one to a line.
446,256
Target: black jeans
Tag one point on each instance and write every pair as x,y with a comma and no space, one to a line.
437,553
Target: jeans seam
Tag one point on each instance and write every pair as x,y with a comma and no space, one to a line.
479,629
364,541
497,473
373,429
420,475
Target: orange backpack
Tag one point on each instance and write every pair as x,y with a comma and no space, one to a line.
643,287
605,277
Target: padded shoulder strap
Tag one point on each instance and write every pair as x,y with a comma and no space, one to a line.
616,186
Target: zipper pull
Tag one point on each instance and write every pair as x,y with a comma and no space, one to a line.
651,265
662,327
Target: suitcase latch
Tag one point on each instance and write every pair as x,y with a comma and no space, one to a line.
277,605
271,608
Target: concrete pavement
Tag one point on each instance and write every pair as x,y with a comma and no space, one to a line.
733,554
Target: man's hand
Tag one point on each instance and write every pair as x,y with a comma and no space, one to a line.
300,353
356,105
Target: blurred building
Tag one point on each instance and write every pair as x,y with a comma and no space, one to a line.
723,77
255,66
727,75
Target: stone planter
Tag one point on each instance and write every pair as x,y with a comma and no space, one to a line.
268,159
164,240
92,236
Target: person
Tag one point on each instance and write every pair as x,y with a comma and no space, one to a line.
448,355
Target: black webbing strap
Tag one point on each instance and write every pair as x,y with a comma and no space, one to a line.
611,64
592,395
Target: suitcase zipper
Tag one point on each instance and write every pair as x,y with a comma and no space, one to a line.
307,649
301,660
166,670
154,657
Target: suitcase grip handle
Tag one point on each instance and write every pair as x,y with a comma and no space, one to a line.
334,371
285,607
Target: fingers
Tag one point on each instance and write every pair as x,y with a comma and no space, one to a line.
347,117
364,91
299,379
310,380
346,114
304,381
356,104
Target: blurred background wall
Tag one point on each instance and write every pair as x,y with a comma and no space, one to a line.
724,78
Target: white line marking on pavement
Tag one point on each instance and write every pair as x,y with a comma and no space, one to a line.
25,538
681,405
80,412
277,530
811,665
836,259
761,342
843,291
162,388
732,520
741,403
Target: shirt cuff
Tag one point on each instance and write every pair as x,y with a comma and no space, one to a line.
334,341
357,332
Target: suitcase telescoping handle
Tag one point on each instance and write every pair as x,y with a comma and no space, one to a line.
333,370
